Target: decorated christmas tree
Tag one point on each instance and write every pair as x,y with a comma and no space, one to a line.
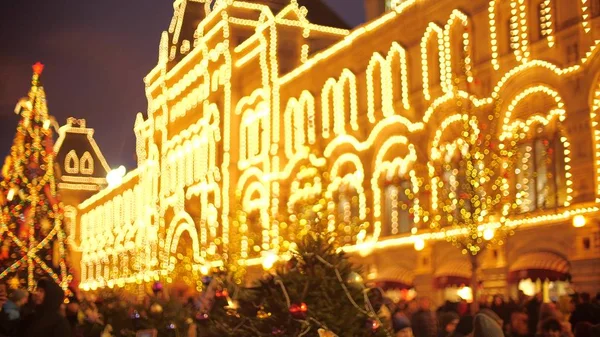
317,292
32,238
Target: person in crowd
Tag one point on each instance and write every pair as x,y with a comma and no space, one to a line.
533,311
484,303
551,327
462,308
584,311
401,326
16,300
46,320
448,322
411,308
583,329
500,308
547,311
464,327
423,321
518,325
72,315
487,324
7,327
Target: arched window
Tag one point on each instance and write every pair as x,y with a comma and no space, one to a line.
72,163
454,191
347,204
398,207
540,171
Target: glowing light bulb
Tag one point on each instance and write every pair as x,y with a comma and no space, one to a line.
115,177
269,259
419,245
579,221
11,194
488,234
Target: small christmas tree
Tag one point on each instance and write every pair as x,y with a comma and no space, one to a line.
318,292
32,235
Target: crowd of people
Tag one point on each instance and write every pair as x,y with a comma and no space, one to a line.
577,315
44,312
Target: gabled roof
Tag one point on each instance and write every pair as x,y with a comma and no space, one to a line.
81,164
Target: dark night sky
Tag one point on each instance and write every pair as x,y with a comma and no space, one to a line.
96,54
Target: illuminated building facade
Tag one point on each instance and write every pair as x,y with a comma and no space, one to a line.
80,171
247,94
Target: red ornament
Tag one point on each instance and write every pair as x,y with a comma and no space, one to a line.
4,252
25,223
373,324
49,146
298,311
277,332
222,293
157,287
38,68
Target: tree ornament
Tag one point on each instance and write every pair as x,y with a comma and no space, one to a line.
156,309
45,226
38,68
298,311
14,283
4,252
25,223
373,325
277,331
354,279
157,287
222,293
206,280
326,333
201,316
262,314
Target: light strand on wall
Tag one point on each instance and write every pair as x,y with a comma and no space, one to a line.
432,28
546,24
586,16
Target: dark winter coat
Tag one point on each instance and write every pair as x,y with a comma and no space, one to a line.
47,320
424,324
585,312
8,327
486,326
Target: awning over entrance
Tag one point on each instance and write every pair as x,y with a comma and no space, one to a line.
452,273
394,277
539,265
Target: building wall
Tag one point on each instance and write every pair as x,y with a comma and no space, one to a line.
239,111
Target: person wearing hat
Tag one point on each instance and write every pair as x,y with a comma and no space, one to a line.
46,320
401,325
448,322
16,300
